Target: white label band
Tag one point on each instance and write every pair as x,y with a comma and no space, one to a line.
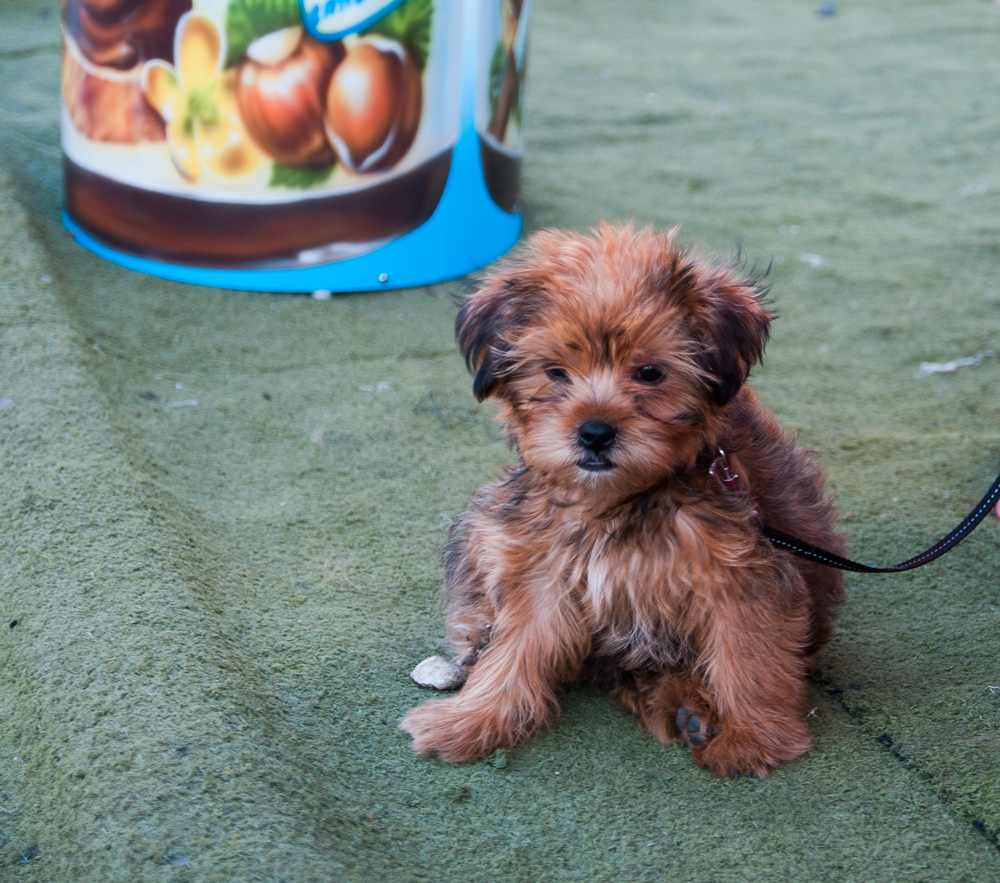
335,19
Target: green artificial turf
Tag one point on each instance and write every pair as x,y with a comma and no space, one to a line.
220,514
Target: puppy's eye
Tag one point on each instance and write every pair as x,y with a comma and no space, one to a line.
554,372
648,374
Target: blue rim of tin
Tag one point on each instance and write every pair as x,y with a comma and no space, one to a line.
466,231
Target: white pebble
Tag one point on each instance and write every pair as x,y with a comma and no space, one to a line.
813,260
438,673
322,294
927,368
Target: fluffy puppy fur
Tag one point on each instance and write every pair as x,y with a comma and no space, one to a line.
626,557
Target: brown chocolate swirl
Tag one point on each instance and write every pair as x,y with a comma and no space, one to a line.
124,33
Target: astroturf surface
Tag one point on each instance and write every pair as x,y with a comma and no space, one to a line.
220,514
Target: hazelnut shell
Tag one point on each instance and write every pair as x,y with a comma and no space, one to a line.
282,103
373,104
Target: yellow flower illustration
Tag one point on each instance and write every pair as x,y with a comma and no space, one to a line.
197,99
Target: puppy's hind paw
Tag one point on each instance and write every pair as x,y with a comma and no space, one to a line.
743,752
694,728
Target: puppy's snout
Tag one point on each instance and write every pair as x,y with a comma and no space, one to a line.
596,435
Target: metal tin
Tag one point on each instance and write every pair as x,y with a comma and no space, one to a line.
294,145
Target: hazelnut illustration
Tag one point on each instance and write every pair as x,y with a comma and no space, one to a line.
373,104
281,88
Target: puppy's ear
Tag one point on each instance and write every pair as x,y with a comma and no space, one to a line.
729,317
487,324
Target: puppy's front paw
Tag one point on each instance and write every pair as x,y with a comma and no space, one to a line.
455,733
734,753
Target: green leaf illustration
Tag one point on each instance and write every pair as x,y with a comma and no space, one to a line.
299,178
409,24
246,20
498,64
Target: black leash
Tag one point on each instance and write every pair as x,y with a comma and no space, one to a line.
969,523
720,469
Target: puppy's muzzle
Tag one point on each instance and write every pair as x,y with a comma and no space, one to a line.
596,438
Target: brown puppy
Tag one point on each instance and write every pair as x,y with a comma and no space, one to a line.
619,364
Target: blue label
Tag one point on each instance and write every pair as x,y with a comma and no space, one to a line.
335,19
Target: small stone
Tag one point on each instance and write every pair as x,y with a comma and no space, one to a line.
813,260
498,759
438,673
827,9
6,403
322,294
175,859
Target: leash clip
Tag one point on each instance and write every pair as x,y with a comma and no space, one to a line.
719,469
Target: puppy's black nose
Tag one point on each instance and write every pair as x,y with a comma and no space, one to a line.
596,435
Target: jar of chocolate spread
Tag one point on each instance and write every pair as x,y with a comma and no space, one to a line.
292,145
